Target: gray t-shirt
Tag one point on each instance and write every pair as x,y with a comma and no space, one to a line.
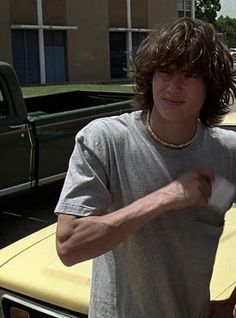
164,270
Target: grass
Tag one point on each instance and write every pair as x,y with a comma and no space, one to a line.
50,89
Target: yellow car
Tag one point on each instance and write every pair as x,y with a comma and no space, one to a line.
35,284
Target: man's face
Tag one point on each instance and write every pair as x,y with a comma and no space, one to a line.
178,95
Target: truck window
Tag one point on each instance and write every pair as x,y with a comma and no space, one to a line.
3,106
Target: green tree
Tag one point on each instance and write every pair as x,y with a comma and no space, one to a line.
207,10
227,27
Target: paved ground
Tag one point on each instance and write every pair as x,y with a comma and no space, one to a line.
24,213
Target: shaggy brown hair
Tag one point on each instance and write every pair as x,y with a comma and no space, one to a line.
193,45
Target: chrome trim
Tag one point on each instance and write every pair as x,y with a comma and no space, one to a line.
34,306
13,131
31,184
16,188
56,177
20,126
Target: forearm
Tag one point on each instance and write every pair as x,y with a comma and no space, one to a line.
79,239
87,237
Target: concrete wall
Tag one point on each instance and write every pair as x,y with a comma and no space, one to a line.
54,12
145,13
161,11
5,33
118,17
139,14
117,13
88,47
23,12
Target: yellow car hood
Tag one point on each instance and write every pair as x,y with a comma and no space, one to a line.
224,275
31,267
230,118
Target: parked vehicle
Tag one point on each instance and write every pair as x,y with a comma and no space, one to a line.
37,134
35,284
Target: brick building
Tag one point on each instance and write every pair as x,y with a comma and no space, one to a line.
56,41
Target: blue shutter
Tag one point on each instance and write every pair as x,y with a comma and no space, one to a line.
26,56
18,52
55,65
32,58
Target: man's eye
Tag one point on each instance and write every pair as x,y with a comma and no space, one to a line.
165,72
191,75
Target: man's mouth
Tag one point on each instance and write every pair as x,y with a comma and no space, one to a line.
173,101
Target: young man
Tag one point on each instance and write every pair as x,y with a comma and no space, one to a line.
136,193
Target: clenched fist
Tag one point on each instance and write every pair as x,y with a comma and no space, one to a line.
192,188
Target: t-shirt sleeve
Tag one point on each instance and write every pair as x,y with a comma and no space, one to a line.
85,191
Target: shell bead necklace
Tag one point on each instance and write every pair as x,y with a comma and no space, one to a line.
163,142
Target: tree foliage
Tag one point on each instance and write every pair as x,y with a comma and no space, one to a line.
207,10
227,27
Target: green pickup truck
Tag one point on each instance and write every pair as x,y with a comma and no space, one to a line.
37,134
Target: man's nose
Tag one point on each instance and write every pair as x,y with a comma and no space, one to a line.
176,81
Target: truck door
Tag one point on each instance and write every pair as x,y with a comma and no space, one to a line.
15,144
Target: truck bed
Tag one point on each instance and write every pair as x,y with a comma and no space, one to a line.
67,101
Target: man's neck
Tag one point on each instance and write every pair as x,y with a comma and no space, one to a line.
176,132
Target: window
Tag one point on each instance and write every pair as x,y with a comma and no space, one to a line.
137,38
188,5
184,8
3,107
184,4
55,60
118,56
26,56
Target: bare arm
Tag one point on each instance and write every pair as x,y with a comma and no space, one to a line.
79,239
